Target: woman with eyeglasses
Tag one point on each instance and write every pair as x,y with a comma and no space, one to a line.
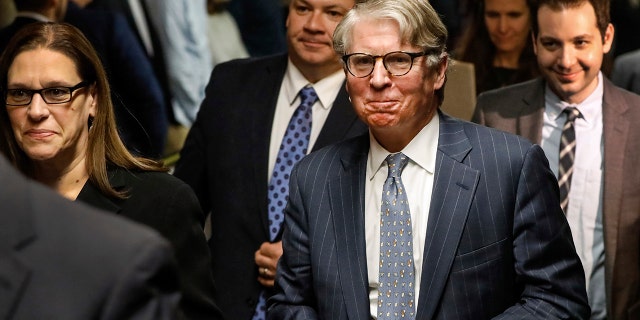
58,128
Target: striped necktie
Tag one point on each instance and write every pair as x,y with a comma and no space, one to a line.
567,154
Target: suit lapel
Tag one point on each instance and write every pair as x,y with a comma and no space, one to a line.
262,111
454,186
14,276
346,194
17,233
531,117
615,134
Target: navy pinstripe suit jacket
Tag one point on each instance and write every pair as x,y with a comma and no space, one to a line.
497,242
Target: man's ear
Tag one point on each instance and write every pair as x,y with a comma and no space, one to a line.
442,72
607,39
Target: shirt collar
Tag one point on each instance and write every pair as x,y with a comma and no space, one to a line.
33,15
589,108
415,150
327,89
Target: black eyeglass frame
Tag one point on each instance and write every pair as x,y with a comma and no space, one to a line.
80,85
413,55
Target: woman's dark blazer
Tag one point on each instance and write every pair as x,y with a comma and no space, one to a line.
168,205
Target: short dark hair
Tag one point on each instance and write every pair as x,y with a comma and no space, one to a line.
30,5
601,8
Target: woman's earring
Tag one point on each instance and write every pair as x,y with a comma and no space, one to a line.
90,122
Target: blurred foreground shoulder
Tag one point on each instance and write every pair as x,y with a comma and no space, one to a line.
69,261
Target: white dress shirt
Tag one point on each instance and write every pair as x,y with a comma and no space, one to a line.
288,101
584,213
33,15
417,178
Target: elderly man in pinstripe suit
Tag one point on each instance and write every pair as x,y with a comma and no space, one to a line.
486,235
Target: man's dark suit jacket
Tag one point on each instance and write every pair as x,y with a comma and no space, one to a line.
497,244
169,206
157,57
519,109
137,96
225,160
7,32
64,260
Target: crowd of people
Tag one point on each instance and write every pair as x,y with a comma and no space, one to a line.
234,159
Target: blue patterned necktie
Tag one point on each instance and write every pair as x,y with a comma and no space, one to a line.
396,279
292,149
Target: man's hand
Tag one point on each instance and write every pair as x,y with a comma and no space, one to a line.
267,259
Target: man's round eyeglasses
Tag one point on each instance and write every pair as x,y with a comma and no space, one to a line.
397,63
53,95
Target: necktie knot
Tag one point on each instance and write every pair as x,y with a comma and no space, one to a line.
396,163
308,97
572,113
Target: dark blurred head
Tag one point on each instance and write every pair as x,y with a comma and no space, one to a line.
53,9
